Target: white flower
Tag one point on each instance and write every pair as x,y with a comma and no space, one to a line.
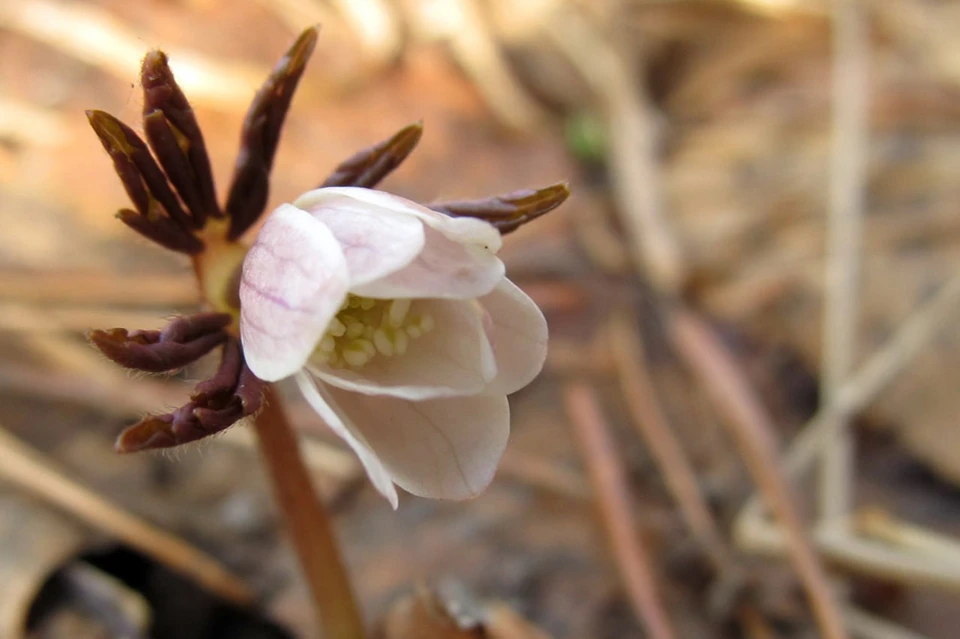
401,330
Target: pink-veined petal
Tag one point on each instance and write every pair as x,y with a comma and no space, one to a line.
446,448
458,259
462,230
378,475
518,334
293,282
455,358
376,241
443,269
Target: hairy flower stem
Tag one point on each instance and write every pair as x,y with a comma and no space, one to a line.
308,524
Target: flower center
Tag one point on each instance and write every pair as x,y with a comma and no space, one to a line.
364,328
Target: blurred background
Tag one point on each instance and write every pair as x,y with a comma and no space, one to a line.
716,150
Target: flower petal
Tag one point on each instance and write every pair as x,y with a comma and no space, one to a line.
455,358
376,241
379,476
457,260
445,448
443,269
294,280
518,334
462,230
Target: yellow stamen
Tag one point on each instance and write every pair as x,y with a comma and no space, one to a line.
366,328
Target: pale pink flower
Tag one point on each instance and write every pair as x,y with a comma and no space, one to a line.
401,331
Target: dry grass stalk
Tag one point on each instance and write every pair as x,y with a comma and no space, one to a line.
641,399
844,236
609,481
30,471
752,432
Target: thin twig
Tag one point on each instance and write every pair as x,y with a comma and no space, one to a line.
752,432
308,524
609,482
33,472
641,399
845,229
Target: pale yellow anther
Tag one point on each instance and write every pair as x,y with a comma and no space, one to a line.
336,328
398,312
365,328
364,345
382,342
355,327
355,358
400,342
